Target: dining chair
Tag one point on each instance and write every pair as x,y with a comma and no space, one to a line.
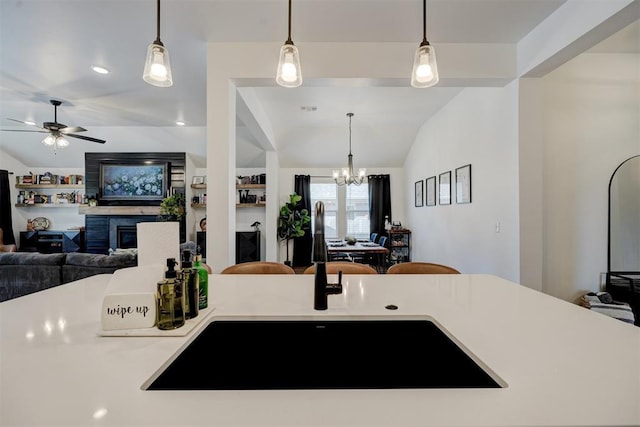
374,237
421,268
333,267
258,267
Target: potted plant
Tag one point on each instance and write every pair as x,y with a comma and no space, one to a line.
291,221
172,208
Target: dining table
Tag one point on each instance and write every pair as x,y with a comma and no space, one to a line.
362,248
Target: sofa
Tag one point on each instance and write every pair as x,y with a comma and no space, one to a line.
22,273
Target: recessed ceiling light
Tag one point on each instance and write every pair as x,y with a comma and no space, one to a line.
180,123
100,70
309,108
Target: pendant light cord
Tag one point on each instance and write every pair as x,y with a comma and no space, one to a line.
424,22
289,36
350,115
158,26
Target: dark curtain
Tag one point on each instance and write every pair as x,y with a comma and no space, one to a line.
379,202
302,245
5,209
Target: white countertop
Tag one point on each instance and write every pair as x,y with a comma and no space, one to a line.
563,364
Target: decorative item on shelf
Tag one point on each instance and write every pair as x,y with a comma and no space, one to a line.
92,201
197,180
256,226
29,224
348,176
40,223
291,221
172,208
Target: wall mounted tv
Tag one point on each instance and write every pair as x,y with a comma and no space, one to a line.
133,181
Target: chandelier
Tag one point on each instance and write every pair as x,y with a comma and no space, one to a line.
348,177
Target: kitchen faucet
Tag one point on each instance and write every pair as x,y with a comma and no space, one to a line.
319,257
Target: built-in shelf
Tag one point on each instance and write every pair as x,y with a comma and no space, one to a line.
251,186
51,186
47,205
199,186
119,210
250,205
198,205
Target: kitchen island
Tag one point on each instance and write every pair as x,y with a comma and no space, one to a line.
562,364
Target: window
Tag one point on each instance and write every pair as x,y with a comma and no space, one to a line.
346,208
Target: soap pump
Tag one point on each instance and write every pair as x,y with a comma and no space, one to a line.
203,284
170,299
191,281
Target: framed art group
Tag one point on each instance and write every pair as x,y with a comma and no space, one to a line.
441,188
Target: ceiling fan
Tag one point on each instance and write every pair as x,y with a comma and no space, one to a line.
57,131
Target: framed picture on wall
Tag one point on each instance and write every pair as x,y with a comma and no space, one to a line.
197,180
418,191
431,191
444,190
463,184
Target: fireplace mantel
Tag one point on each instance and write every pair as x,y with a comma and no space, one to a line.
119,210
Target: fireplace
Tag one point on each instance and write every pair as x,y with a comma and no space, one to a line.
127,236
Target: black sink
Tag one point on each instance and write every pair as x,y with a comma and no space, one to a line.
312,354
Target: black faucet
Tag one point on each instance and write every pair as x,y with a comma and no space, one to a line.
319,257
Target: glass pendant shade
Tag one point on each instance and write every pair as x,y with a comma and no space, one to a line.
425,68
289,74
49,140
61,142
157,68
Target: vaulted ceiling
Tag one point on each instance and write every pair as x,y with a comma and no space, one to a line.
48,46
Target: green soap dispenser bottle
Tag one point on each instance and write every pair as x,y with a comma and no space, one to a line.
204,280
191,284
170,299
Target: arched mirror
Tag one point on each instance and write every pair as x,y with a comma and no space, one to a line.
623,263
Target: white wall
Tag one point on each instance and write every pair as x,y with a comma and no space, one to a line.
591,124
478,127
287,183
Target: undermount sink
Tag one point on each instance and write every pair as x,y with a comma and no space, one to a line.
322,354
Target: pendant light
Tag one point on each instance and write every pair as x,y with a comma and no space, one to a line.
157,68
425,69
289,73
348,177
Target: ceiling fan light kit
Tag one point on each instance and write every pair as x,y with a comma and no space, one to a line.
289,73
425,68
348,176
157,67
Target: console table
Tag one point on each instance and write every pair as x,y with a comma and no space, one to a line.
52,241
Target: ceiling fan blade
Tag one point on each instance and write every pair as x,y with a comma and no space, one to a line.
25,123
86,138
24,130
73,129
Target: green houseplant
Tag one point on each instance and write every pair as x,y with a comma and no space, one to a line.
291,221
172,208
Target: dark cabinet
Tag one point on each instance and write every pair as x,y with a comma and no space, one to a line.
48,242
247,246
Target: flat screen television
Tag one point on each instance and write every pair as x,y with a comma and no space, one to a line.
139,181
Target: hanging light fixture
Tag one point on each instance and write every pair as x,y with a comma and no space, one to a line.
348,177
157,68
55,140
289,73
425,69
